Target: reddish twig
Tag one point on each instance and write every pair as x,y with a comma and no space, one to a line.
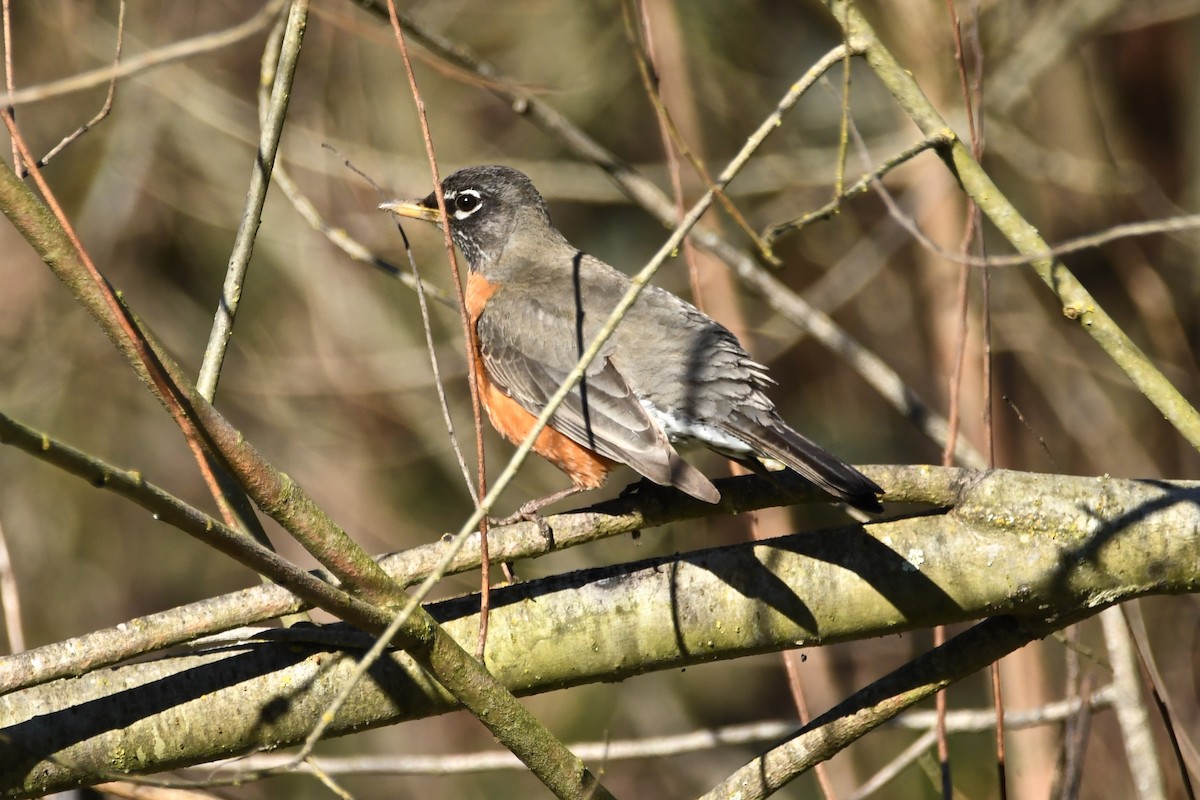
972,91
9,112
468,332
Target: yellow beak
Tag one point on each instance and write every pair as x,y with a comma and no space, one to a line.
407,208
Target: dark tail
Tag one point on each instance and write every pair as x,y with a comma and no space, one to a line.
814,463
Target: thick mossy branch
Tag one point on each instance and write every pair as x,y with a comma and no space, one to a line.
1034,546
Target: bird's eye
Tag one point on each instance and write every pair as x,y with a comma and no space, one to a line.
466,203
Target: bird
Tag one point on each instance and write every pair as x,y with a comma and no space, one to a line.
668,376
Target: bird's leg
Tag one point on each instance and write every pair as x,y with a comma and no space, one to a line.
531,510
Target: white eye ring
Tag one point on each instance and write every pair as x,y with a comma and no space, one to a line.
464,203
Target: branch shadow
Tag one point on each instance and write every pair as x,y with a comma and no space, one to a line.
1107,531
26,744
746,568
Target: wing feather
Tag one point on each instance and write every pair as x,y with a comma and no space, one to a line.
525,358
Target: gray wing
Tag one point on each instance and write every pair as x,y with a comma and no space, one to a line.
528,354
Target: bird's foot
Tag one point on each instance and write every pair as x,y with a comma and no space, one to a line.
528,512
531,511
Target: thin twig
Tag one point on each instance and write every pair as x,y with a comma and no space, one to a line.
675,136
1069,762
205,43
828,210
699,741
469,335
490,760
438,383
232,501
939,731
906,757
284,72
173,511
10,598
1184,749
342,240
1077,303
953,416
844,121
1075,739
1179,224
791,664
939,430
972,233
960,351
944,138
973,97
108,100
326,780
643,53
422,289
9,111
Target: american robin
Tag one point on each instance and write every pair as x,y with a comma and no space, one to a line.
668,374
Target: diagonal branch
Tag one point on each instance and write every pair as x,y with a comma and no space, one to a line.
179,51
869,708
1077,303
273,491
283,71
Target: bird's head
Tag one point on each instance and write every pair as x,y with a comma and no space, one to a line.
485,206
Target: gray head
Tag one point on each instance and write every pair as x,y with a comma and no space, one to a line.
485,205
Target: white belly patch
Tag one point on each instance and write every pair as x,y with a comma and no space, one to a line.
682,430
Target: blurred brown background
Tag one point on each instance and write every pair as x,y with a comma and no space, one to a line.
328,373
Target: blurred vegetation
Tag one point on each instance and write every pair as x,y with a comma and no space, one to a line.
329,377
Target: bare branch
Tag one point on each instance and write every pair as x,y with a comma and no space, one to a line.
961,721
205,43
1083,544
108,100
282,69
1077,303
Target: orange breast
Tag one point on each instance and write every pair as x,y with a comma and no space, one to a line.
585,468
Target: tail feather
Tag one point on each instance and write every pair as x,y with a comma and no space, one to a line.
663,465
689,480
814,463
